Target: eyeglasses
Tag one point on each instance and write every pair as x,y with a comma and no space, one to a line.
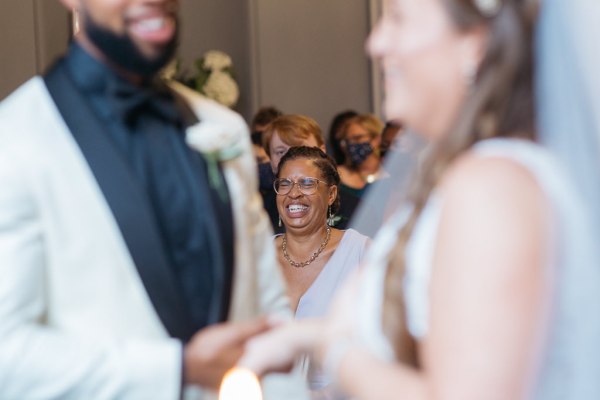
307,186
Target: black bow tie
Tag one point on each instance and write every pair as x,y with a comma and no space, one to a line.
129,101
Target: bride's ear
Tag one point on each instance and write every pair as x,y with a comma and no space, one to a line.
472,50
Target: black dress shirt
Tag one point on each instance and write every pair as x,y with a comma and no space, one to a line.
147,125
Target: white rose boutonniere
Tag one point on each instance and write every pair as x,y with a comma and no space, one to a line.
217,144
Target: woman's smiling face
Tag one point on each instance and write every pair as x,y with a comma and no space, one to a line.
300,211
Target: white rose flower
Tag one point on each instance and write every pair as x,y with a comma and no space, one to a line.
222,88
215,60
209,137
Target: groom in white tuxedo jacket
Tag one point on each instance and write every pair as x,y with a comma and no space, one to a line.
130,224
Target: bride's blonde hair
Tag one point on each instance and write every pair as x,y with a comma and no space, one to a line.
500,104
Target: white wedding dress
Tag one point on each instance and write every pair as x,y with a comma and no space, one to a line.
565,372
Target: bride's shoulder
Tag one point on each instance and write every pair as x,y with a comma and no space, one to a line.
496,203
479,181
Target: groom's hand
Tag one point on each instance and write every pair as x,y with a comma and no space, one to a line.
214,350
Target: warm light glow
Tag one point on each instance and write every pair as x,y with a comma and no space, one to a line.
240,384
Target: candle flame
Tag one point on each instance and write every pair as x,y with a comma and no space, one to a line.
240,384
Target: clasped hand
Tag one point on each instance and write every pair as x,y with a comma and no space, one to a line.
214,350
266,345
277,349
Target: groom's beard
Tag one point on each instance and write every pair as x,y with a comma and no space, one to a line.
122,51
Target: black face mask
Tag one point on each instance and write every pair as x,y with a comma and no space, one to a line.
359,152
123,52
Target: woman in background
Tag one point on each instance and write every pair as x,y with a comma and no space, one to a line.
315,258
360,139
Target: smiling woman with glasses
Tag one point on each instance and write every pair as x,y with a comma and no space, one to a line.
315,258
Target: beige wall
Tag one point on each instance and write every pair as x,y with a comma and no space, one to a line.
52,31
304,56
34,33
310,56
220,25
17,44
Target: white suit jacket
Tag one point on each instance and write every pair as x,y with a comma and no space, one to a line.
75,318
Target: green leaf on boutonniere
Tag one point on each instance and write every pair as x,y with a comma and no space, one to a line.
215,179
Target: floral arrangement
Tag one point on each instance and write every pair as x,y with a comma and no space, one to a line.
213,77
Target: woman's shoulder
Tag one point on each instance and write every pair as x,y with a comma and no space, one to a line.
505,161
355,236
493,209
354,240
349,252
531,156
493,187
474,173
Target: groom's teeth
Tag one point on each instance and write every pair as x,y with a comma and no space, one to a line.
153,24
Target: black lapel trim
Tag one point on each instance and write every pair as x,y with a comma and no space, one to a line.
225,244
127,200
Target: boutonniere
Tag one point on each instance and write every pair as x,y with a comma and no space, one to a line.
217,143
